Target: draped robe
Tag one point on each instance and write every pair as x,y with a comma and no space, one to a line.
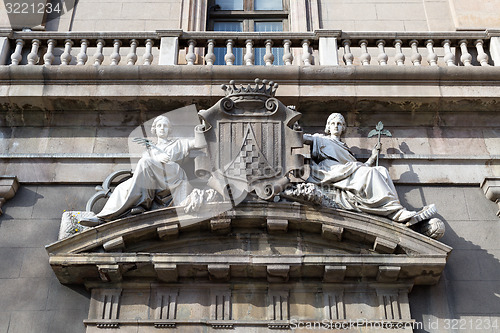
150,177
355,185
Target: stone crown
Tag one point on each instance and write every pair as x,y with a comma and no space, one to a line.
261,87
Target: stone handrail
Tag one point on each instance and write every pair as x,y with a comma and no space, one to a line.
322,47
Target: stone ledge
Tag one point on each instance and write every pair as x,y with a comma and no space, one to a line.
8,188
131,75
491,188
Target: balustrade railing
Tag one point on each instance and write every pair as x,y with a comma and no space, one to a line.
322,47
79,49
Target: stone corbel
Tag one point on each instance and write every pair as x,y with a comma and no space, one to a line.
8,188
491,188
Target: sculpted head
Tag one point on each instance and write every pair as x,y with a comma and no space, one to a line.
161,126
335,124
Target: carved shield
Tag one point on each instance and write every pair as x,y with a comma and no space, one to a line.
251,142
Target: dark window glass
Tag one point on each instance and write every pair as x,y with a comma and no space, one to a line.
220,52
230,4
260,52
268,4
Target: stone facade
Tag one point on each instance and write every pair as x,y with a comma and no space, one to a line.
64,128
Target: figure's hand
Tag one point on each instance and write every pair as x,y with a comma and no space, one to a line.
145,142
164,158
376,150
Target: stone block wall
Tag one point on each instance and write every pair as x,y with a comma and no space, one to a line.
467,294
385,15
31,297
33,300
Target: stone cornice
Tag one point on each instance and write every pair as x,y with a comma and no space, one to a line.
123,75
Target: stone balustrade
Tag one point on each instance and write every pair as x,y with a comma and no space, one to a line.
322,47
79,49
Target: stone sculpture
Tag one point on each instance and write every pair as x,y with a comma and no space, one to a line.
157,171
354,185
252,144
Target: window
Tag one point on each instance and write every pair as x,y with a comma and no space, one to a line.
248,16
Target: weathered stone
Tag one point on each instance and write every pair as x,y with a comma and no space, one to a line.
276,226
277,273
334,273
219,272
8,188
116,244
384,245
110,273
168,231
332,232
166,272
388,273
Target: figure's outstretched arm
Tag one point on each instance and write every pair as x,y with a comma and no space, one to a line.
308,139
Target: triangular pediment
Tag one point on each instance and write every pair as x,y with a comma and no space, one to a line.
252,240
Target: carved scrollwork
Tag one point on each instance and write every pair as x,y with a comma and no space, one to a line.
227,104
272,104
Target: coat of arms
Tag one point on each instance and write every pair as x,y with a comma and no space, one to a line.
252,145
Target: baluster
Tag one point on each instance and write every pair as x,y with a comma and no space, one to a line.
190,56
66,56
306,53
348,56
269,57
399,58
147,57
466,57
115,56
229,58
132,55
287,53
48,58
210,56
82,56
17,56
416,58
249,55
431,56
99,56
449,57
365,57
482,57
33,55
382,56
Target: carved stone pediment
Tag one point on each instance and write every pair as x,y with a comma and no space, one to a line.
253,235
261,262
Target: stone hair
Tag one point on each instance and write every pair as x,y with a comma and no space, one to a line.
333,116
157,119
